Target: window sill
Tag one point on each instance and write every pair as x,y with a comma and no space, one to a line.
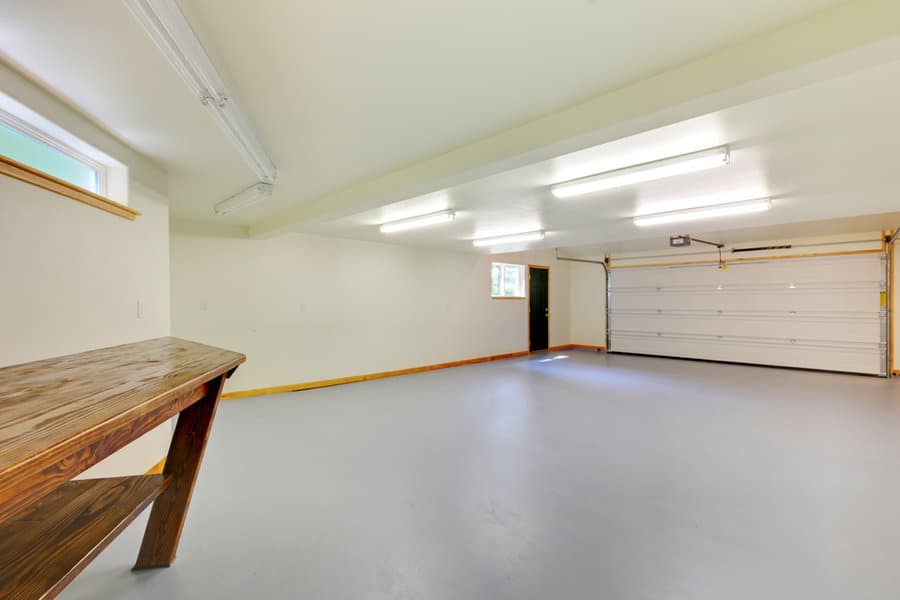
507,297
22,172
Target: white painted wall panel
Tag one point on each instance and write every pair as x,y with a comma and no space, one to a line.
821,313
75,275
306,308
588,304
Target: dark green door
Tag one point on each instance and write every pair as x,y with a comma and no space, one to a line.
538,308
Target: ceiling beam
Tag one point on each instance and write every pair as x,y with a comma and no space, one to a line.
776,61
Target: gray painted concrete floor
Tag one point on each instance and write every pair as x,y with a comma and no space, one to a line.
587,477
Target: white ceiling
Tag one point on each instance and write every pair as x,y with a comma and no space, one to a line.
345,91
823,151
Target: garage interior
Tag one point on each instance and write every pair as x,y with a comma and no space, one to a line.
507,301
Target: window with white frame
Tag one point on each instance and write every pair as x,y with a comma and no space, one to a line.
32,143
28,145
507,281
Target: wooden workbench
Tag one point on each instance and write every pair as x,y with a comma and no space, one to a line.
61,416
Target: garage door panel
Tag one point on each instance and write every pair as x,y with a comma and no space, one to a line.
865,299
819,327
832,269
847,358
796,312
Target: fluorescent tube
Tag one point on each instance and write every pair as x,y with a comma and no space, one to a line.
658,169
434,218
166,25
705,212
251,195
530,236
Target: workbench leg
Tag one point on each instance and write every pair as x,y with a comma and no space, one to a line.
182,465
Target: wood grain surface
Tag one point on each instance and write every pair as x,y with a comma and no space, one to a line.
61,416
28,174
182,466
46,545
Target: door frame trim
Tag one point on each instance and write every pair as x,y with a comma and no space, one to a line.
528,312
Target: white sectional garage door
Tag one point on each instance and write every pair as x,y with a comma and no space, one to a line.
816,313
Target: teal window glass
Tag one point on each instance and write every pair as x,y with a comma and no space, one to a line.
38,155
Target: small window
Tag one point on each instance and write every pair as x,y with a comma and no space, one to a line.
37,151
507,281
27,146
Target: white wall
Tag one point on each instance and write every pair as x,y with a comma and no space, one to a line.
588,304
73,275
306,308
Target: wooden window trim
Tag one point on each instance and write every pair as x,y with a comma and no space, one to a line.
23,172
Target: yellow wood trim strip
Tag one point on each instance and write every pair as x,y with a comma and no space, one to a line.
311,385
749,259
157,469
890,302
23,172
574,347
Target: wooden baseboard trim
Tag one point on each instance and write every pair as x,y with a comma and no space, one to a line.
577,347
312,385
157,469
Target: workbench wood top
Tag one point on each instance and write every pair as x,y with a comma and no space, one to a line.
62,415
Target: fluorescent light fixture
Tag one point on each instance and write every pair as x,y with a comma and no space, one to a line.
251,195
166,25
705,212
658,169
530,236
442,216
